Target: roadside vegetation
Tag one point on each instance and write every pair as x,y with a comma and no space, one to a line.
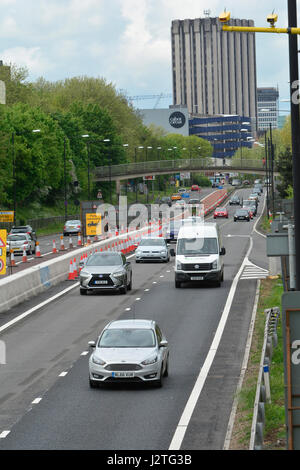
270,296
63,113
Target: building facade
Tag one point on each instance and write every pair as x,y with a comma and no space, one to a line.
174,120
214,72
267,108
226,134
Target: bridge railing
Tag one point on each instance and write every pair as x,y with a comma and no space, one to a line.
175,165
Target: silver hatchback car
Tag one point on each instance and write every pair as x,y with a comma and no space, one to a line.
152,249
129,351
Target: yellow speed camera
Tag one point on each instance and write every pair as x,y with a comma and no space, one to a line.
224,17
272,19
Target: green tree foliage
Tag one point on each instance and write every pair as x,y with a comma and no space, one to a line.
285,168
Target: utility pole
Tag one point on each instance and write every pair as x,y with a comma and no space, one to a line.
295,125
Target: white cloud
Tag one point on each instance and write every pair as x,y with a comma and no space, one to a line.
32,58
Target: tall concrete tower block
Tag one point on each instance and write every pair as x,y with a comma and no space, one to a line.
214,72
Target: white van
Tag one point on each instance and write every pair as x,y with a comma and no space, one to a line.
199,254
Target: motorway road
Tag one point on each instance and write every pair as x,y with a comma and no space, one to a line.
45,399
46,244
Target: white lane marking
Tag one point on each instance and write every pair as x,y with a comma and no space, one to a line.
4,434
42,304
147,290
84,353
128,309
243,370
62,374
36,401
138,298
194,396
37,307
154,282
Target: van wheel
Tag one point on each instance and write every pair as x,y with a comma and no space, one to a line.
177,284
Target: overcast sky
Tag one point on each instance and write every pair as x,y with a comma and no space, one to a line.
125,41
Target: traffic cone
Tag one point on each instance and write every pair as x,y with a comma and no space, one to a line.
88,240
79,242
62,246
54,250
71,273
81,261
37,250
12,258
24,257
70,242
75,273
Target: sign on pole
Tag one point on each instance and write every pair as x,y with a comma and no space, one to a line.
93,224
3,235
6,216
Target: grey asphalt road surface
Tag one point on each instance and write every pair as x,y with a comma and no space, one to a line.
42,409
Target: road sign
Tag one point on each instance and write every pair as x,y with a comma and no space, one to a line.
6,216
93,224
3,235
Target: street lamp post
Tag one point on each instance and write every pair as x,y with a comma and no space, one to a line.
34,131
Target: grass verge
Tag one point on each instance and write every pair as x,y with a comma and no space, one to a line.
274,436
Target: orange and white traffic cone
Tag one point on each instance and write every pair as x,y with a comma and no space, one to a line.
24,257
75,273
37,250
71,273
79,242
81,262
54,250
12,258
62,246
88,240
70,242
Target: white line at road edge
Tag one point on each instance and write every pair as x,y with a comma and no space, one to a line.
192,401
243,371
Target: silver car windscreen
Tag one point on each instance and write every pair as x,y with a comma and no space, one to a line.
127,338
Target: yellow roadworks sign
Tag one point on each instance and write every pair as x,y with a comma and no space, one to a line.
3,235
6,216
93,224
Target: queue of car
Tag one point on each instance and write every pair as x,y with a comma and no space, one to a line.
136,350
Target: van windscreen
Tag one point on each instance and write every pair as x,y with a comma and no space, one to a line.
197,246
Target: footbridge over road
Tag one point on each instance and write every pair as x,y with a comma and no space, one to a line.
163,167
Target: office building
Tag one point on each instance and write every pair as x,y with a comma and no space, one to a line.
226,133
267,108
214,72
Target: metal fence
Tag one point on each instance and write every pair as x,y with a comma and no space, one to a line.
42,222
263,393
176,165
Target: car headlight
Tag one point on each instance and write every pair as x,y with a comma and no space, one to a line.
97,360
215,264
178,265
151,360
163,251
84,274
118,274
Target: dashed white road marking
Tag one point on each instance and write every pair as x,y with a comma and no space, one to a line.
36,401
4,434
63,374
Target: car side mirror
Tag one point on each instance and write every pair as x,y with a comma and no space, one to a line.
92,344
223,251
163,344
172,252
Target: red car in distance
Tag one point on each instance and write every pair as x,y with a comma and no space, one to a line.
195,187
221,212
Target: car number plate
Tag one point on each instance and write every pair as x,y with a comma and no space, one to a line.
197,278
100,282
122,374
